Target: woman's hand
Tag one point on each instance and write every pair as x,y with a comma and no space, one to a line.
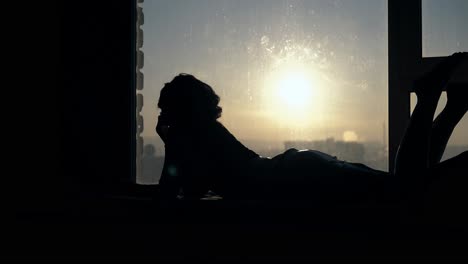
162,127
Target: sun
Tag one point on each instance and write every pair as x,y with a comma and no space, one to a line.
294,91
293,95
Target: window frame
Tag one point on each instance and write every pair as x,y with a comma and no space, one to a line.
405,63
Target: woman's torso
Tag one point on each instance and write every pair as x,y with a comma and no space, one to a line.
237,171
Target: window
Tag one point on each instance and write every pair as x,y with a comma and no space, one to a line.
252,51
290,73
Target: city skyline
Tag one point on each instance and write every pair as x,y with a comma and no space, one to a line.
375,153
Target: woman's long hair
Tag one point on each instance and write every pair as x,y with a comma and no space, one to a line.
188,99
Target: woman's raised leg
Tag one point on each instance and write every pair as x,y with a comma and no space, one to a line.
447,120
413,153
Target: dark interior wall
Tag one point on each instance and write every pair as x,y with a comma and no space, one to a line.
59,210
98,95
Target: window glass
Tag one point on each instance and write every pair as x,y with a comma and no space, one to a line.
303,74
444,26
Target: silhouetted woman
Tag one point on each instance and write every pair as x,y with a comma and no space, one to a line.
202,155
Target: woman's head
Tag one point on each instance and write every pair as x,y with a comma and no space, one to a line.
187,99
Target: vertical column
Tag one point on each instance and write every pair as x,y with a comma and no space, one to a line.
404,58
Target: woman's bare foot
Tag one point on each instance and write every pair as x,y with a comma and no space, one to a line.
429,86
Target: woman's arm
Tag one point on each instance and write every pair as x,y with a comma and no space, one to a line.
162,127
169,181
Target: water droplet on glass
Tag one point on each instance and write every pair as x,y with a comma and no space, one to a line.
264,40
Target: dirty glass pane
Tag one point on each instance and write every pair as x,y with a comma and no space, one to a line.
290,73
444,27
